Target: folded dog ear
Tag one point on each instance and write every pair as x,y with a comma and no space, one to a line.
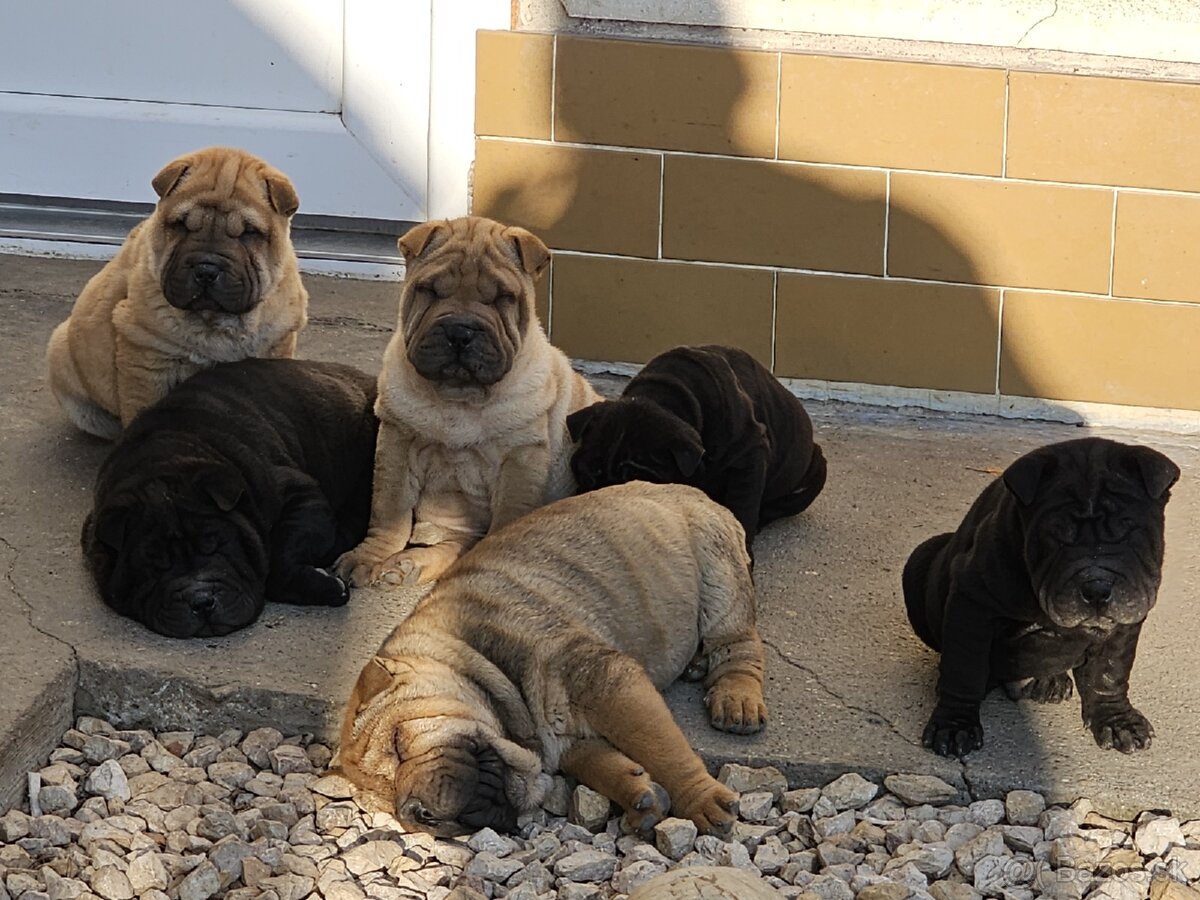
1024,476
1157,470
224,487
578,421
688,453
414,241
164,182
372,680
109,527
534,254
281,193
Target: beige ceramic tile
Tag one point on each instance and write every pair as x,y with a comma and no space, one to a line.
883,331
892,114
604,201
1158,247
1011,234
1103,131
665,96
766,213
621,310
1100,350
513,74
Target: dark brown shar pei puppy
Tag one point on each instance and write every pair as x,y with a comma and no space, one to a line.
209,277
544,649
473,402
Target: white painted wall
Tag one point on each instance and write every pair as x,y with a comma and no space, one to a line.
1167,30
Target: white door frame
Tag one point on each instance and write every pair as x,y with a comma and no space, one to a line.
400,147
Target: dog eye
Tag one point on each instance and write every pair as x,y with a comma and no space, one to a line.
505,297
249,233
208,543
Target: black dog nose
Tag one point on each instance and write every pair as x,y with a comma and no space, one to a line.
202,600
205,273
459,336
1096,590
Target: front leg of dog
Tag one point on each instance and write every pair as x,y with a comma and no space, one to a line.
623,706
137,386
954,728
743,493
303,535
284,348
393,500
1103,681
521,486
608,771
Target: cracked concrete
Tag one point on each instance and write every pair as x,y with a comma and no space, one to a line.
848,684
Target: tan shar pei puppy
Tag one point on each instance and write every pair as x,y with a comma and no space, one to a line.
209,277
473,402
544,649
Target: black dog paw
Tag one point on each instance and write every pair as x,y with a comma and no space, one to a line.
1126,730
952,735
312,586
1051,689
337,591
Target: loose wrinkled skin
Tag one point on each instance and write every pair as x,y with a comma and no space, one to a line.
209,277
544,649
712,417
236,488
473,401
1050,575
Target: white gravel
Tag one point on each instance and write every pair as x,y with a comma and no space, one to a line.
177,816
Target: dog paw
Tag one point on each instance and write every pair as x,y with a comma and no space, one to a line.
1126,730
400,569
712,809
342,597
1050,689
953,735
648,809
357,569
736,705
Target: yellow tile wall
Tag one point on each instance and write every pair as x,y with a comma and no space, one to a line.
867,221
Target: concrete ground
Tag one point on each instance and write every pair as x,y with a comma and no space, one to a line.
849,685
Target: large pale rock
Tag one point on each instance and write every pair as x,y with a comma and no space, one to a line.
850,791
919,789
705,883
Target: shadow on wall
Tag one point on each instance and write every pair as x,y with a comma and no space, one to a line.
701,235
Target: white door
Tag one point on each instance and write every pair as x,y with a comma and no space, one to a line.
96,95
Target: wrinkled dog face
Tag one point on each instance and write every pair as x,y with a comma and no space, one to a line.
222,231
178,556
1093,517
631,440
411,737
468,297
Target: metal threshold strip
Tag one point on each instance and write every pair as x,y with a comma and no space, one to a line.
49,220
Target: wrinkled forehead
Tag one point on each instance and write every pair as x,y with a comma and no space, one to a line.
226,185
198,215
480,263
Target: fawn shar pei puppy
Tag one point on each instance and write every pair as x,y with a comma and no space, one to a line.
209,277
544,649
473,402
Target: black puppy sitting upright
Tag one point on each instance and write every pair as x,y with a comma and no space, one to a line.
232,490
711,417
1051,573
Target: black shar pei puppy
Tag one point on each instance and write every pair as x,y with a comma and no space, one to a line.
236,488
1051,574
711,417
